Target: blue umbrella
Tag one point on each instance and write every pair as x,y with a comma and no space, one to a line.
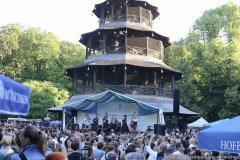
215,122
55,123
224,137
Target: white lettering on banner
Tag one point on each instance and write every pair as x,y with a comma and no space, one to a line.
230,145
10,95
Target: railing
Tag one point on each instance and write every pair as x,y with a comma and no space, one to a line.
128,89
125,18
129,50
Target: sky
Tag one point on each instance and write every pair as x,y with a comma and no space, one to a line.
68,19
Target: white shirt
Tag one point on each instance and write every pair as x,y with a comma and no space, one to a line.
152,153
87,121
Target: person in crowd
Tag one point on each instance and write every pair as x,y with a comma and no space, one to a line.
32,143
63,138
111,156
75,155
98,152
112,152
168,151
195,154
67,145
87,148
52,146
56,156
179,149
134,156
157,152
6,146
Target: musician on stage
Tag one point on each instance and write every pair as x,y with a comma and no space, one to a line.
105,120
95,123
113,123
124,124
87,121
47,120
133,122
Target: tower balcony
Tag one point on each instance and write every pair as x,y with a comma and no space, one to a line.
127,50
125,20
124,89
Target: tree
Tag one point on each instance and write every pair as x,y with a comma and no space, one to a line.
209,58
39,49
10,65
70,54
44,95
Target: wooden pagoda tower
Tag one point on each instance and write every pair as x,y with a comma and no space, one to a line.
124,54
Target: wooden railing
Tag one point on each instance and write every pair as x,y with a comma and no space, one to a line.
129,50
128,89
125,18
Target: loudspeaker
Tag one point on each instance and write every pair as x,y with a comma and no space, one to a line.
158,129
75,127
176,101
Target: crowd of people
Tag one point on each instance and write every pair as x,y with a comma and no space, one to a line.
34,143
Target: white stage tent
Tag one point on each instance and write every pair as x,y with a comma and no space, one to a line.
198,123
115,104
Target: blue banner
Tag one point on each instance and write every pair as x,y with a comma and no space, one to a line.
14,97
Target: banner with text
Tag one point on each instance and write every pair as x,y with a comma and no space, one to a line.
14,97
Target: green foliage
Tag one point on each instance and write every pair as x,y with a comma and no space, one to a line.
209,58
232,99
44,95
39,50
10,64
70,55
37,55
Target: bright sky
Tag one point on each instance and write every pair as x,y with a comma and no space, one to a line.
68,19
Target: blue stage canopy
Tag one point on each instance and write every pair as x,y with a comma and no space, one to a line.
90,104
223,137
14,97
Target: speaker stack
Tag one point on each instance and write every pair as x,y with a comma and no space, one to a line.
176,101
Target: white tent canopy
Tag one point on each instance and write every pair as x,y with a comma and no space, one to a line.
198,123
